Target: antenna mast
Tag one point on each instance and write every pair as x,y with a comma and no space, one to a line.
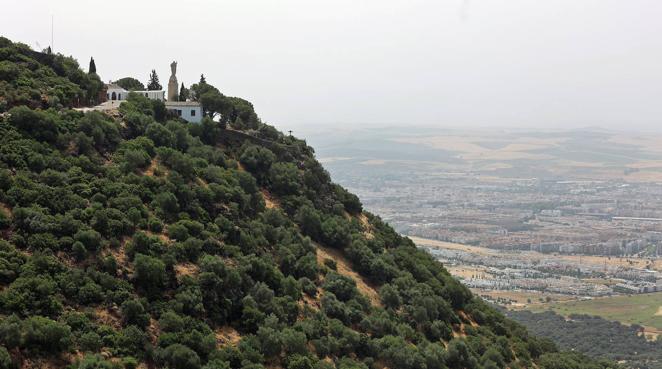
52,46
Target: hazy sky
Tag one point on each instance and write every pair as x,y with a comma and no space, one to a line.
559,63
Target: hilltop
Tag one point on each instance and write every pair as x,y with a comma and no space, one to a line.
140,240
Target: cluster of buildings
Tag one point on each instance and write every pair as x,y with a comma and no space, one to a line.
532,271
609,218
190,111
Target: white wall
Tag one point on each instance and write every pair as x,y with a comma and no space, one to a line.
187,113
154,95
122,94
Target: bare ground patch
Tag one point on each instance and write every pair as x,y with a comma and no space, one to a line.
119,253
186,269
344,268
153,330
227,335
269,201
467,318
163,237
367,227
6,209
108,316
151,168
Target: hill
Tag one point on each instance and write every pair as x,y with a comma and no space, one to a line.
42,80
138,240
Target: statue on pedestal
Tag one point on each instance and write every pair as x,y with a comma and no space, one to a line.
172,83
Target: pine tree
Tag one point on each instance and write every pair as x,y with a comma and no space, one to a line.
183,93
93,67
202,79
153,84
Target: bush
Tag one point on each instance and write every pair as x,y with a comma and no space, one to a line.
46,335
308,287
31,296
5,360
161,136
343,287
40,125
336,232
178,356
133,313
300,362
90,341
95,362
89,238
131,341
310,222
150,274
284,178
257,160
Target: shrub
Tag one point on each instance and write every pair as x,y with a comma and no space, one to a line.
5,360
90,341
150,274
133,313
178,356
46,335
89,238
344,288
95,362
336,232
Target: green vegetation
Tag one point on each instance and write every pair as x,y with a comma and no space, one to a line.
131,84
93,67
642,309
41,80
183,93
587,334
145,240
153,84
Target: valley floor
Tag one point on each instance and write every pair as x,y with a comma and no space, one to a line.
644,309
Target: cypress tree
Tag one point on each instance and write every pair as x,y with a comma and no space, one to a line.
183,93
153,84
93,67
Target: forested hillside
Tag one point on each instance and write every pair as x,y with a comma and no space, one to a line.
138,240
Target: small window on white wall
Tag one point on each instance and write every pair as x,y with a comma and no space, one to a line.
193,112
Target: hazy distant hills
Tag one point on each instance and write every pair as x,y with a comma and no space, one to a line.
572,154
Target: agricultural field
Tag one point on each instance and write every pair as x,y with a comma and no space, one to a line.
522,299
643,309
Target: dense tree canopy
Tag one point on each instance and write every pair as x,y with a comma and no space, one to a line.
131,84
586,334
43,80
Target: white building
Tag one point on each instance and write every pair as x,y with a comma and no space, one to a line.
190,111
154,95
115,92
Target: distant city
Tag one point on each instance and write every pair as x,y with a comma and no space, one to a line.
522,218
588,217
